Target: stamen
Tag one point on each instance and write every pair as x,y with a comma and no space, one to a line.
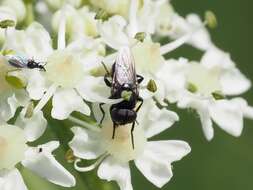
179,42
91,167
85,124
133,18
61,44
43,101
175,44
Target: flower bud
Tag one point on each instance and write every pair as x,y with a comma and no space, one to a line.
211,19
16,79
152,86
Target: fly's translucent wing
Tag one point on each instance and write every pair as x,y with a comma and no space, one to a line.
17,61
124,69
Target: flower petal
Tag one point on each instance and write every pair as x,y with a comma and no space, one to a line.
112,33
93,89
206,123
36,85
12,180
155,120
9,105
85,143
41,161
110,170
65,101
35,42
33,126
233,82
228,115
155,162
202,108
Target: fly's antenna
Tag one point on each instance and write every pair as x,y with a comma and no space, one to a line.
106,70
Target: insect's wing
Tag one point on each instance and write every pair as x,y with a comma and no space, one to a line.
17,61
124,71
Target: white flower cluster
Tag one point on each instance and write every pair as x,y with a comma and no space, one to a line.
69,67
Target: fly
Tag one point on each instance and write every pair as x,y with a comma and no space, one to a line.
124,81
23,62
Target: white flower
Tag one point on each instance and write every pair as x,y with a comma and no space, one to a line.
205,82
233,82
57,4
113,7
10,97
163,20
33,123
114,154
171,80
79,23
66,69
39,159
17,7
192,26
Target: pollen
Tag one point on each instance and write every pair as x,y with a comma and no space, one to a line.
205,80
64,69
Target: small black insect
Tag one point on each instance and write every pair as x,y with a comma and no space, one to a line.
124,80
22,62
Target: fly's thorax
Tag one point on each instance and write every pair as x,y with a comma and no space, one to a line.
120,147
12,146
64,69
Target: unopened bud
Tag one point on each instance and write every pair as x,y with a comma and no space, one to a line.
192,87
7,23
69,156
7,52
102,15
211,19
140,36
16,79
152,86
29,110
218,95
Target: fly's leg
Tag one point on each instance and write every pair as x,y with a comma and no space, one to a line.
107,76
132,134
138,108
103,112
107,81
114,129
106,70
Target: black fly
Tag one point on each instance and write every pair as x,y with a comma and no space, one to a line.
22,62
124,81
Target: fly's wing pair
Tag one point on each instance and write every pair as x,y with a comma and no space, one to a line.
124,70
17,61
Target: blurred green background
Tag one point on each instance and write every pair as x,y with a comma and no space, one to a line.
224,163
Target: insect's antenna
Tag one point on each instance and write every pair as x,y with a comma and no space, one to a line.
106,70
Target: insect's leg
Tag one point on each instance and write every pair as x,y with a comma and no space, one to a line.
107,81
106,69
138,108
139,79
114,129
103,112
132,134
